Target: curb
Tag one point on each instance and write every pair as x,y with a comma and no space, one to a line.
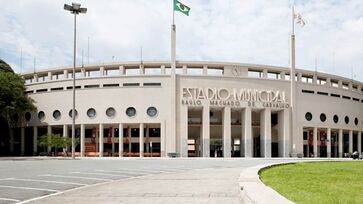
252,189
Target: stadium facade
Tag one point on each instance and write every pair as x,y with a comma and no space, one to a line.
205,109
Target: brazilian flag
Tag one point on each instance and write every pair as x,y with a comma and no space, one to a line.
178,6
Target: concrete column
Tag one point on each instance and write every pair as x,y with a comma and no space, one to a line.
49,76
350,141
121,70
113,140
328,143
264,73
83,72
340,84
65,73
299,77
227,132
22,141
65,134
205,70
129,137
162,138
282,75
340,149
205,131
100,143
120,140
184,131
141,139
350,86
247,132
35,140
147,139
82,140
49,131
162,68
315,141
102,71
185,69
284,132
359,141
141,69
315,79
265,131
328,81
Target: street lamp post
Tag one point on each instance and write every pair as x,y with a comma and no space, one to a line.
74,9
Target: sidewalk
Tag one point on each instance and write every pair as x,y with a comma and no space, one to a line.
196,186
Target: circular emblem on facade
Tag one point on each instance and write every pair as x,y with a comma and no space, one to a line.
56,114
323,117
70,113
91,113
346,120
308,116
152,111
336,119
41,115
110,112
28,116
131,111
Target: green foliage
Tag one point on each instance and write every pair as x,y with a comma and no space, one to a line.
4,67
317,182
56,141
13,102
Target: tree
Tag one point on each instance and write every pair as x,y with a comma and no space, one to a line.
13,103
55,141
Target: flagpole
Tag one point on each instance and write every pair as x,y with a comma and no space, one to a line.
173,87
293,89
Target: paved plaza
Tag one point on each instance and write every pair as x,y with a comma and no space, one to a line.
114,180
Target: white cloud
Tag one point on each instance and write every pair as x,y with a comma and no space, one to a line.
250,31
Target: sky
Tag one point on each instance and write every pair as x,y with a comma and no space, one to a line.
242,31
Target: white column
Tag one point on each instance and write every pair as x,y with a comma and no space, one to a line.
264,73
206,129
35,140
22,141
359,141
100,143
247,132
162,138
129,138
205,70
340,151
184,131
141,69
315,141
284,133
141,140
113,140
120,140
49,131
121,70
102,71
328,144
350,141
65,134
162,69
65,73
184,69
82,140
227,132
265,132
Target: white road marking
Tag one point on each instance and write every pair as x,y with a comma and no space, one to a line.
29,188
123,172
143,170
99,174
9,199
49,181
76,177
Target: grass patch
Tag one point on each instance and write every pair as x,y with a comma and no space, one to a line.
317,182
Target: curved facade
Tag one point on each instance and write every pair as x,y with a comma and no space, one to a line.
205,109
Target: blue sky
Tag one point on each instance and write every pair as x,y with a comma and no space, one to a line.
247,31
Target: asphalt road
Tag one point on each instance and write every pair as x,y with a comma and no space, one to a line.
22,180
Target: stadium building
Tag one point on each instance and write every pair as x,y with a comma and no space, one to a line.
205,109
